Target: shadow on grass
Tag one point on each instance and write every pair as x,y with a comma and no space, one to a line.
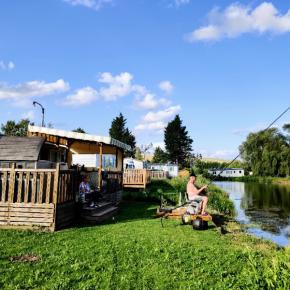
129,211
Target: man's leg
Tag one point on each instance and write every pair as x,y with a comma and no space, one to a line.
204,203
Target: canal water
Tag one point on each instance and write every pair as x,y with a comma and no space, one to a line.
263,208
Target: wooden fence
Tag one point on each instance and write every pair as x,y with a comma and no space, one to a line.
136,178
30,197
160,174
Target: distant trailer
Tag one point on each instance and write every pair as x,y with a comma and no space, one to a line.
228,172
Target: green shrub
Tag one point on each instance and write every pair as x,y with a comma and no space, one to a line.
168,192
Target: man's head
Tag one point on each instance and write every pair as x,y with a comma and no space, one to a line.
192,178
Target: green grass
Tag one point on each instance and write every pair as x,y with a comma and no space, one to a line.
135,252
169,189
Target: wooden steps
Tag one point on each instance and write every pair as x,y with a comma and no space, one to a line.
94,215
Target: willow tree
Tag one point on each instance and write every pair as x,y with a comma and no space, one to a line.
267,153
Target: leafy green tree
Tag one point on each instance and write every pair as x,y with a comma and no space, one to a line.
177,142
267,153
79,130
12,128
159,156
120,132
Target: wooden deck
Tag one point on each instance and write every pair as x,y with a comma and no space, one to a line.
136,178
36,197
140,178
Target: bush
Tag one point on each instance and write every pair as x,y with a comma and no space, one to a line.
168,191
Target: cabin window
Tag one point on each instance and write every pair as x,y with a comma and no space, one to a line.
240,171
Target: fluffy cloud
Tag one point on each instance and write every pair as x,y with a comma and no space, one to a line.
92,4
166,86
117,87
156,121
238,19
21,94
149,102
112,89
82,96
7,66
162,115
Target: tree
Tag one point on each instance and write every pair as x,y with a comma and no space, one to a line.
267,153
177,142
79,130
120,132
159,156
11,128
138,154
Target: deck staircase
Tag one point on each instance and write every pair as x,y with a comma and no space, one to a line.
94,215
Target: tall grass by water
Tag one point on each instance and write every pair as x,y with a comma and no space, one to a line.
174,189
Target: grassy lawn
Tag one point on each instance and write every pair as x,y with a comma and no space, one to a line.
134,252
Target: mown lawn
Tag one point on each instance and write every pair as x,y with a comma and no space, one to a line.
135,252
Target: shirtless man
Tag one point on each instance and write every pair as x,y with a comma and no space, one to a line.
194,193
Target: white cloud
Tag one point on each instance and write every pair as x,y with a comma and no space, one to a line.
112,89
20,94
7,66
162,115
92,4
238,19
166,86
149,101
118,86
156,121
82,96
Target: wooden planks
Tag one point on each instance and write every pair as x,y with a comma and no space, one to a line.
136,178
26,214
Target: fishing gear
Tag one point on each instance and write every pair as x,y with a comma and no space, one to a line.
166,212
227,165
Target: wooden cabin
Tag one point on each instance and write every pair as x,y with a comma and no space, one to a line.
39,179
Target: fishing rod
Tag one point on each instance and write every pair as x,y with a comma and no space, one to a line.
227,165
223,169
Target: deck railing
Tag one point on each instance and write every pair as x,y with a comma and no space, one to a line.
159,174
29,197
136,178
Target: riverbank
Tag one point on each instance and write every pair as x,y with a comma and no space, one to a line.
172,191
259,179
134,251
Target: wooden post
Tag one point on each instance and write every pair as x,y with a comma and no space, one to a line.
54,194
55,184
11,183
4,185
101,166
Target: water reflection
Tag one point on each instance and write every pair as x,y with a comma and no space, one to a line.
266,208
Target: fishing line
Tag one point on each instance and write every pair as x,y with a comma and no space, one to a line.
223,169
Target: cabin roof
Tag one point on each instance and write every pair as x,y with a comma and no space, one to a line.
79,136
20,148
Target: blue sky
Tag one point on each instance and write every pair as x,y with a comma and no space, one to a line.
224,66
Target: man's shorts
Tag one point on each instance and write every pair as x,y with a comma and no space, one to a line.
196,198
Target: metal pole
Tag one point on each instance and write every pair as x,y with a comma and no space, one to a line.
42,110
